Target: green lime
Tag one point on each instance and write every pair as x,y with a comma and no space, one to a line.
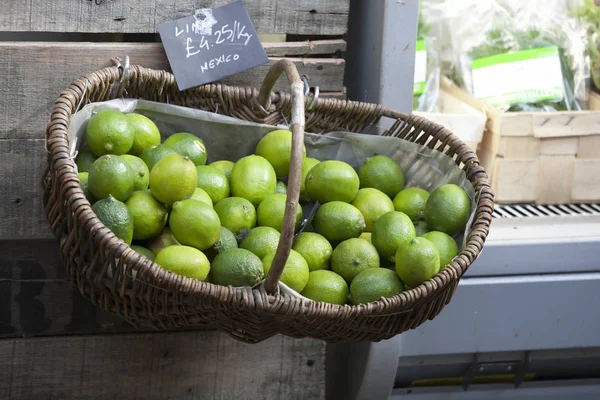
276,147
236,213
225,166
366,236
152,155
149,215
109,132
84,161
417,261
372,284
445,245
315,249
236,267
214,182
420,228
141,174
253,178
261,241
227,241
83,181
115,215
307,165
188,145
381,172
281,188
185,261
111,175
326,286
391,231
411,201
201,195
164,239
332,180
195,223
338,221
271,210
352,256
144,252
295,272
145,133
173,178
372,204
448,209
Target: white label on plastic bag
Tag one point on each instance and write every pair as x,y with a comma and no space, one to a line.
525,76
420,67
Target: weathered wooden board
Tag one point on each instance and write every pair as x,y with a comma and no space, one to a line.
33,74
184,365
310,17
305,48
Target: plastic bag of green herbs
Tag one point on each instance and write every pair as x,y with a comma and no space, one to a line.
515,55
589,13
427,70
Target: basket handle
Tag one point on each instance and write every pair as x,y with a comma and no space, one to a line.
295,173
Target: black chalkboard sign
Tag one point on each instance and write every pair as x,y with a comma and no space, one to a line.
211,44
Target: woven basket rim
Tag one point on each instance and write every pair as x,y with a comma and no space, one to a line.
247,298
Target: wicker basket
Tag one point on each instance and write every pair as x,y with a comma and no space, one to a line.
113,276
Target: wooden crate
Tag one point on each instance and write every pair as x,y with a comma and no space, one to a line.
542,158
44,46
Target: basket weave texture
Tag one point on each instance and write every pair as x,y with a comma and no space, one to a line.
113,276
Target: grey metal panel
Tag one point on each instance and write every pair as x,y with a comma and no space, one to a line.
513,314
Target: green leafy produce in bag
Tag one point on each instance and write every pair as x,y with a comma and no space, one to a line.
427,69
589,13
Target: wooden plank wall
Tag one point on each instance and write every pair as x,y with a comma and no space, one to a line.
44,46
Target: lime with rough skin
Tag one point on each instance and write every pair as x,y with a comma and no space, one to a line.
417,261
372,204
185,261
253,178
391,231
411,201
332,180
352,256
372,284
152,155
141,174
188,145
315,249
201,195
195,224
338,221
445,244
164,239
227,241
214,182
109,132
420,228
111,175
276,147
307,165
144,252
83,181
281,188
145,133
326,286
225,166
85,160
173,178
261,241
448,209
236,213
271,210
115,215
237,268
295,272
149,215
382,173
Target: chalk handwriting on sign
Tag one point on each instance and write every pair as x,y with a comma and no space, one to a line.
211,45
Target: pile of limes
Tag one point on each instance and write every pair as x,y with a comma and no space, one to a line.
370,237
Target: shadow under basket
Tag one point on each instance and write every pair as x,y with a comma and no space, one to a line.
116,278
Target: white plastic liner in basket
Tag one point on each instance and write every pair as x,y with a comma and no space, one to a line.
228,138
